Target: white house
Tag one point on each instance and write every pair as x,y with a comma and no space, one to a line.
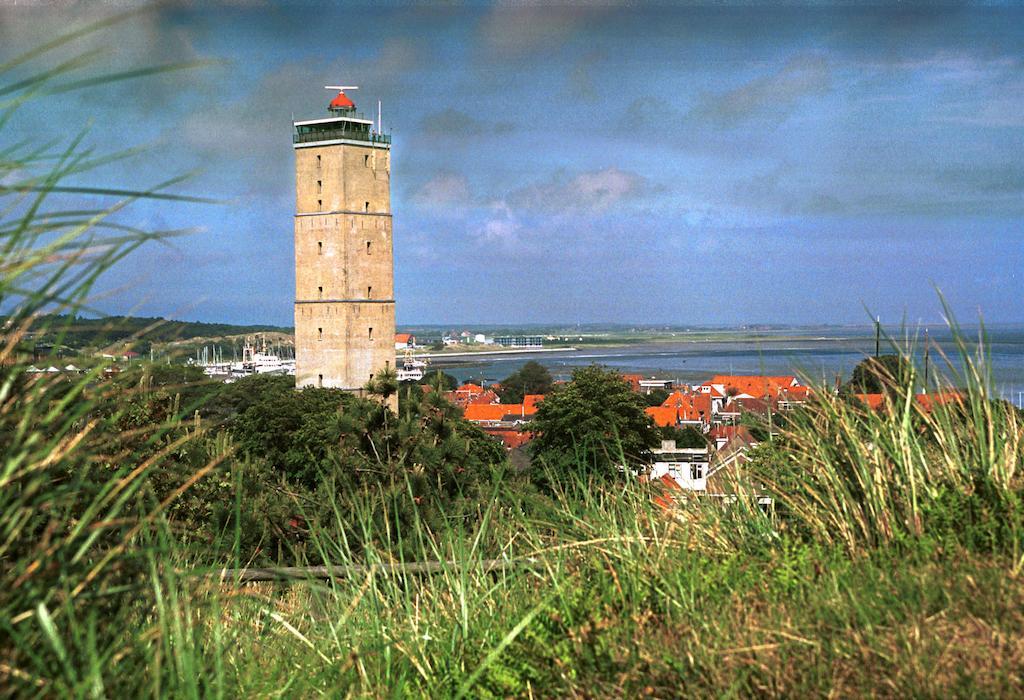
687,466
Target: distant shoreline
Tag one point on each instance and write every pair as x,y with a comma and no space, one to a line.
485,353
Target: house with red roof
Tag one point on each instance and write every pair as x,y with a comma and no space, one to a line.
754,386
531,400
499,413
792,397
503,421
683,409
487,397
926,402
722,435
511,437
404,341
871,401
737,405
464,395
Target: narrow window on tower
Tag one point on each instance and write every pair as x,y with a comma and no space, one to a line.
318,161
371,333
366,161
320,292
319,186
319,205
320,377
369,292
319,247
367,247
319,333
366,206
387,365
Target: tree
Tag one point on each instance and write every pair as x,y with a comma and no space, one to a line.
684,437
592,424
656,397
441,381
293,431
531,378
883,374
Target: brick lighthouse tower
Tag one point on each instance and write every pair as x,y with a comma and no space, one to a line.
344,274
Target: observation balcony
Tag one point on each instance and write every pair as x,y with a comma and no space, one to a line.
350,128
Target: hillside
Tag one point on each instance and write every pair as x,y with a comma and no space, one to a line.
140,333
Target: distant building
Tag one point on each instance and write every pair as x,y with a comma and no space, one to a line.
682,410
499,413
520,341
404,340
649,385
686,466
754,386
506,422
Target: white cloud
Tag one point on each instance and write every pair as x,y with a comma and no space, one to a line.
444,190
595,192
501,227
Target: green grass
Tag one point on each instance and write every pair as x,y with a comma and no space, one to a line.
628,603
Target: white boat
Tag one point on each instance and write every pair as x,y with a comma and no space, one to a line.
255,360
411,369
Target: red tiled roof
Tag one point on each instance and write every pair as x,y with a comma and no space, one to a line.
487,411
927,402
726,431
403,337
665,416
531,400
732,432
510,437
739,405
497,411
930,401
872,401
486,397
756,385
695,406
666,492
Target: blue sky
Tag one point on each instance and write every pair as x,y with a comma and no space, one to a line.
580,164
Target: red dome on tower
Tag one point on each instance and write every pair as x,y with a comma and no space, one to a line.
342,102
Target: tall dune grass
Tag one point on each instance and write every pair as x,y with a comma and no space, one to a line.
946,463
69,541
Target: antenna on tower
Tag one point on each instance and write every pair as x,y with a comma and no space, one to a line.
380,127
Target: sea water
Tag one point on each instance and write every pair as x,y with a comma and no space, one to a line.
816,356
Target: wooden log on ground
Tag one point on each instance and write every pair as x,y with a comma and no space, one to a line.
298,573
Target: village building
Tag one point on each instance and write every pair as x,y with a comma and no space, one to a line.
684,409
520,341
686,466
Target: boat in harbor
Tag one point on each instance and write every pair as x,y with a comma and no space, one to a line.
412,368
258,357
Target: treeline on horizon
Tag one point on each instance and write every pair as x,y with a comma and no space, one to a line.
137,333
